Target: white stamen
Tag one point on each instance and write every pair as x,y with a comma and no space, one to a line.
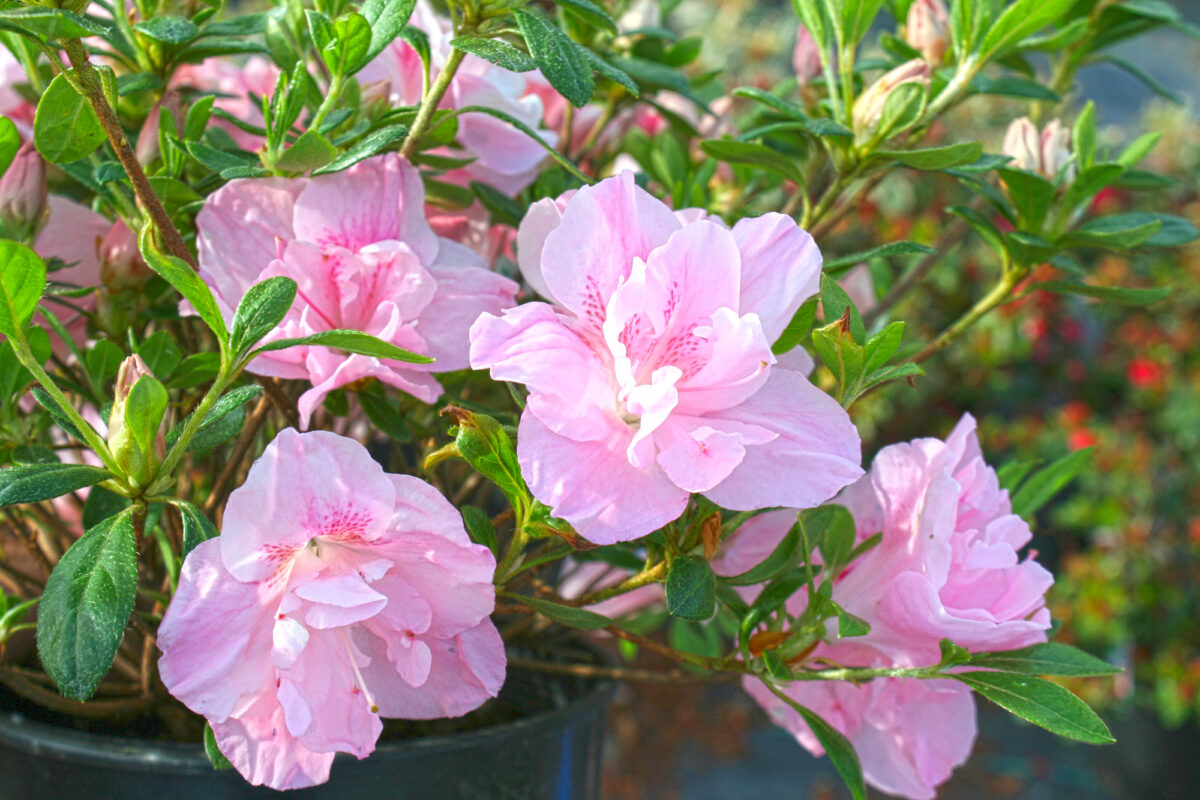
362,685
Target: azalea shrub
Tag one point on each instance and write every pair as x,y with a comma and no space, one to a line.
350,345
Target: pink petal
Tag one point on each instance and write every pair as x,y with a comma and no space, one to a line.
72,234
604,228
781,268
214,637
340,599
260,747
592,484
818,448
303,485
326,685
571,390
465,290
539,222
698,458
464,672
330,210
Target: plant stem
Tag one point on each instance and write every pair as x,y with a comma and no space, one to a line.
512,557
331,97
995,297
644,578
164,475
618,673
430,102
90,82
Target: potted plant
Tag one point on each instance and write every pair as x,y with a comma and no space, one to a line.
372,362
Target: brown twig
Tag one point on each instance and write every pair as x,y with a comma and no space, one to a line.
947,241
225,479
274,389
78,55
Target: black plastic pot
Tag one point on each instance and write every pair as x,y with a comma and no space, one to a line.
551,752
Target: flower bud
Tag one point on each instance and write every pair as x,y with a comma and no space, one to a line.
121,263
1055,149
806,58
1045,153
23,207
928,29
1021,144
137,442
868,108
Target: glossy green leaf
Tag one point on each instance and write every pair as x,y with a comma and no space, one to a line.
22,282
197,528
371,144
752,154
87,602
387,20
502,54
933,158
1048,481
34,482
557,57
351,342
783,556
1041,702
691,589
10,142
1047,658
185,280
1110,294
169,29
566,615
260,311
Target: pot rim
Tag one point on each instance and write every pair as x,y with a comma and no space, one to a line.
57,743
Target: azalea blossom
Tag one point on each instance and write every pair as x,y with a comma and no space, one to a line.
650,371
234,86
336,594
949,563
909,733
505,158
364,257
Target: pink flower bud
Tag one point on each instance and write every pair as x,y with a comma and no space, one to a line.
23,194
1055,149
132,370
1045,153
868,108
928,29
121,263
806,58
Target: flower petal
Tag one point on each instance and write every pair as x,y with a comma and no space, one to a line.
781,268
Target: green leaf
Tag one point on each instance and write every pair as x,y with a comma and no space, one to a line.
185,280
1048,481
51,23
752,154
310,151
981,225
22,282
215,756
197,528
565,615
1045,704
502,54
1110,294
34,482
1013,86
557,57
932,158
65,127
1047,658
60,416
857,16
841,355
346,54
1083,136
1139,149
607,70
222,421
562,160
261,309
371,144
363,344
479,526
103,360
691,588
841,263
169,29
488,448
782,557
1019,20
849,625
836,303
10,142
1148,80
773,595
387,19
799,326
87,602
590,12
195,370
100,505
882,346
1031,194
830,528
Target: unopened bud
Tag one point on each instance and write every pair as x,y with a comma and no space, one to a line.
928,29
132,370
121,263
1056,151
806,57
1022,146
23,207
868,108
1045,153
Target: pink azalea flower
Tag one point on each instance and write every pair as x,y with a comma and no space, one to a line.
12,103
336,593
650,373
358,245
948,565
505,158
909,733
